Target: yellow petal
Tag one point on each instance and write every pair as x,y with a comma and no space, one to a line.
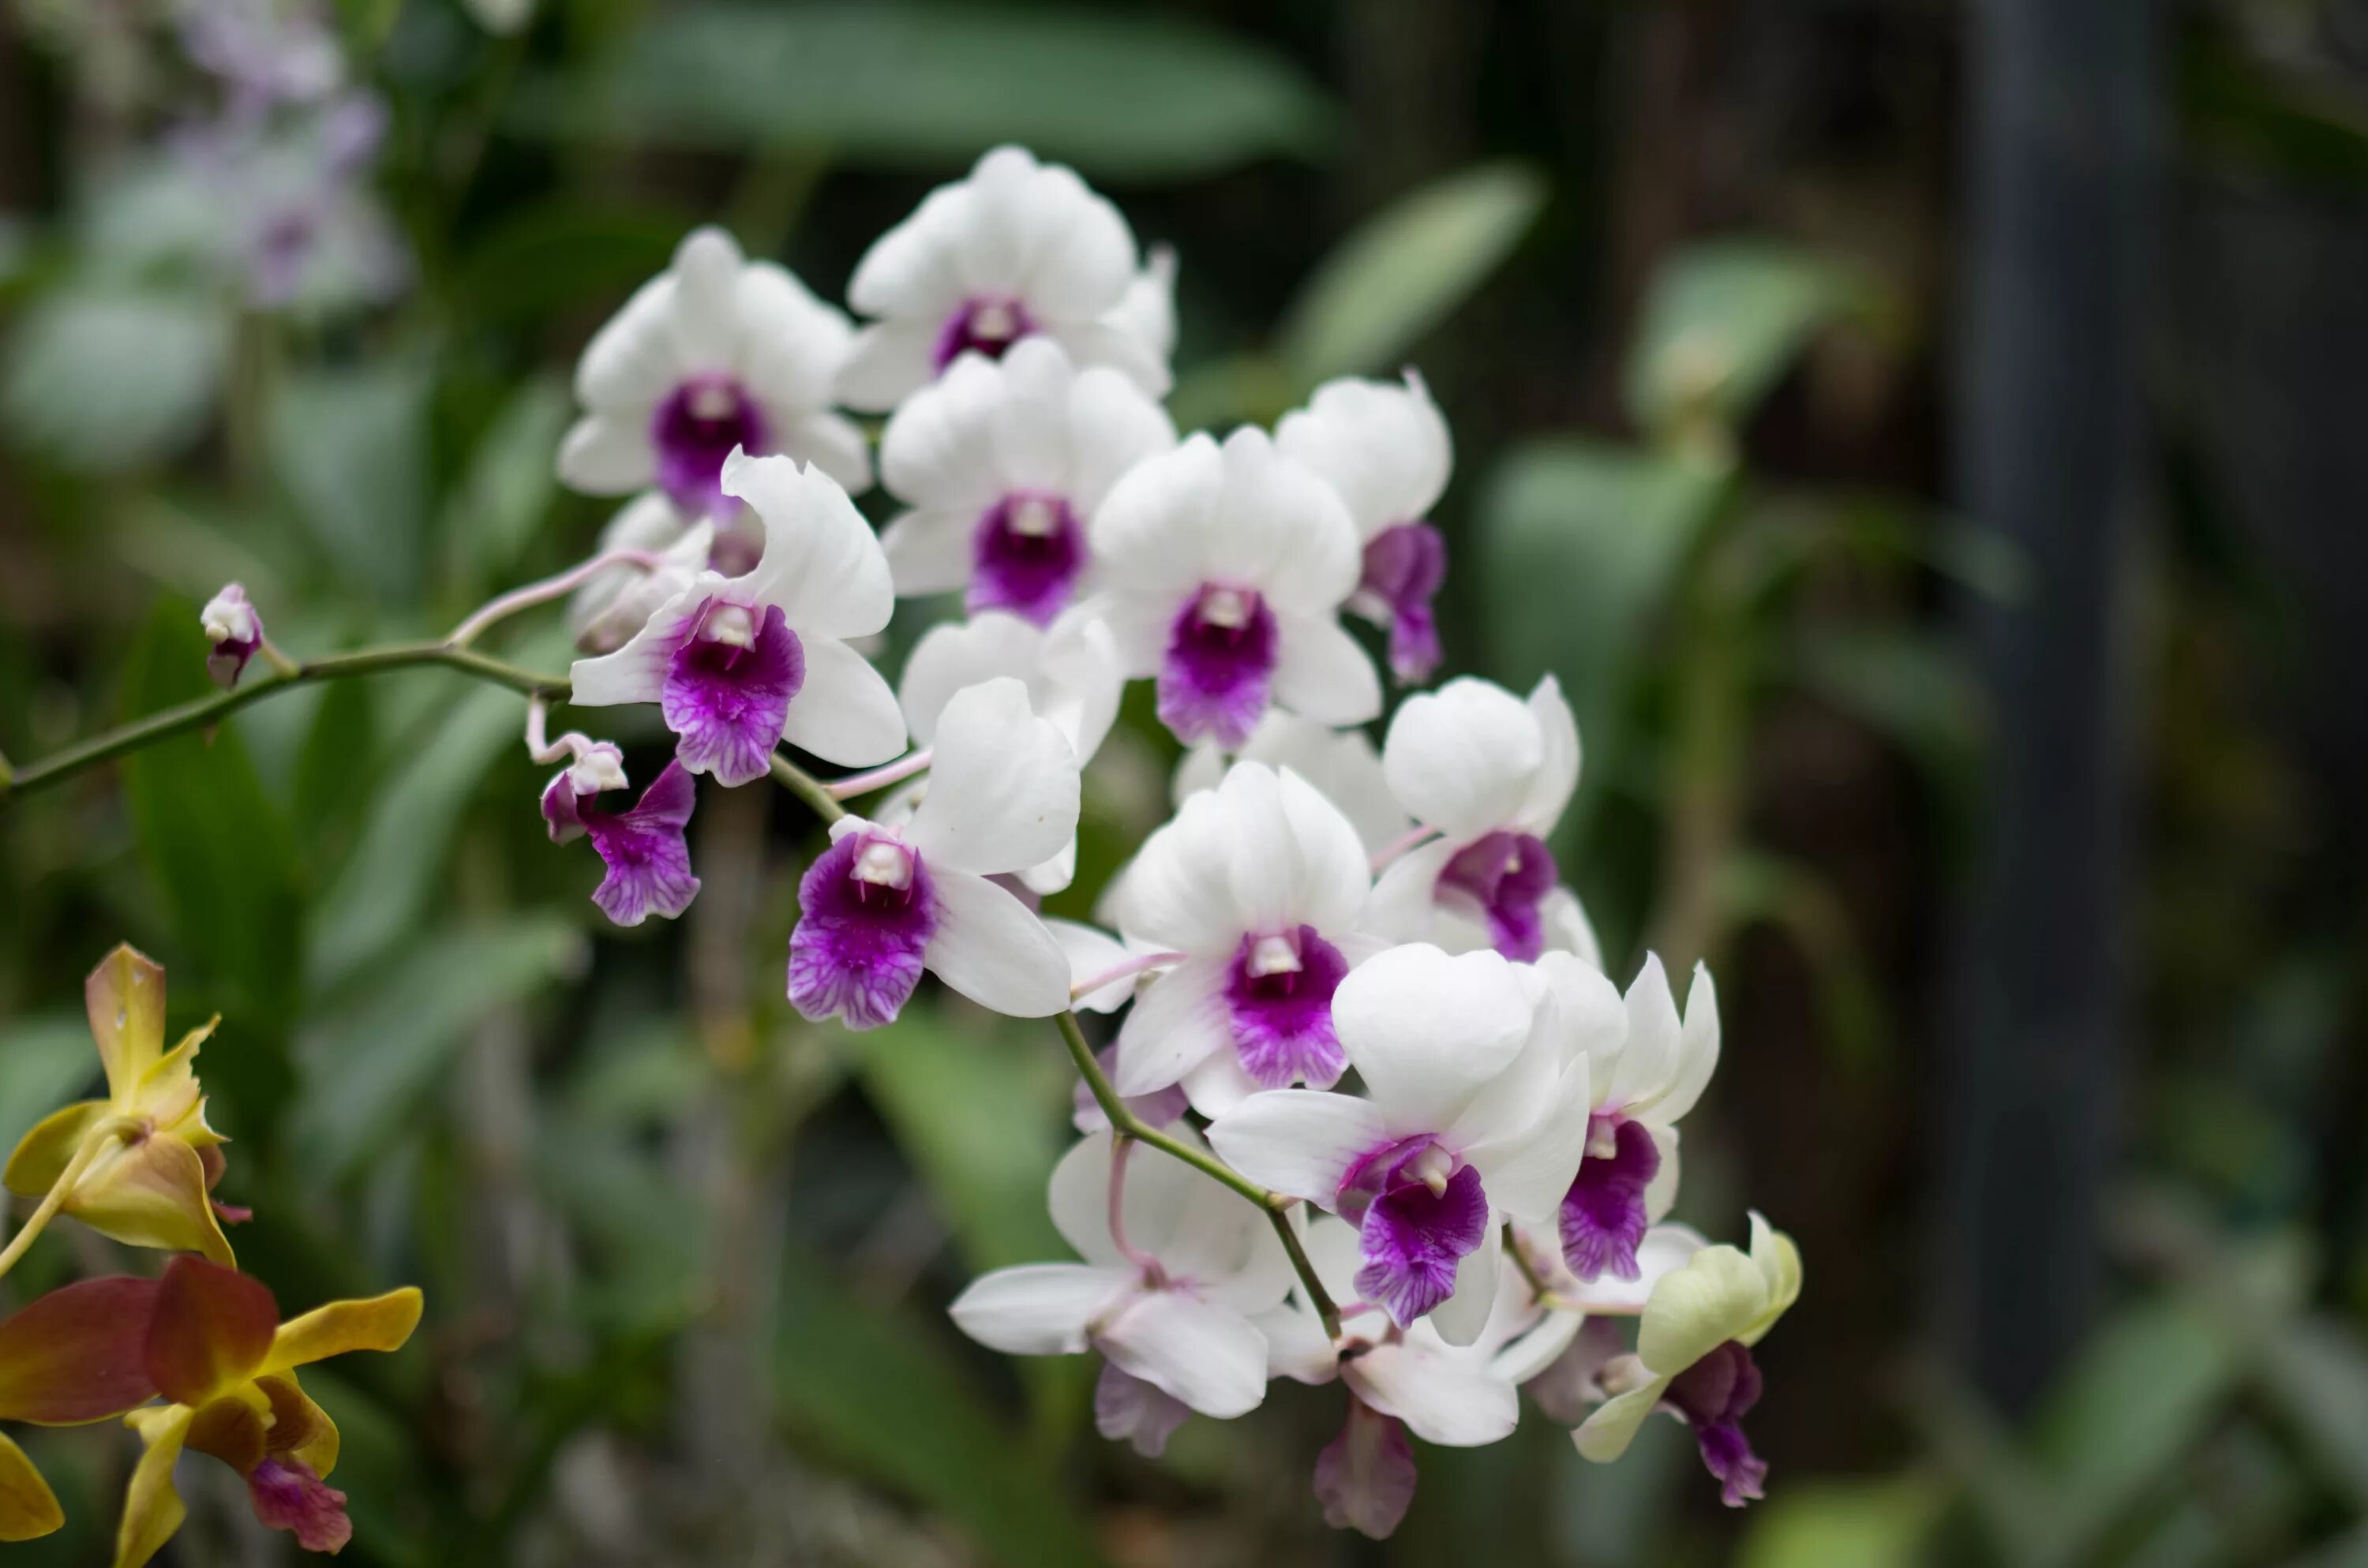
299,1426
231,1428
382,1322
1718,1295
28,1510
125,995
1606,1433
44,1154
1778,1262
152,1509
167,1093
151,1194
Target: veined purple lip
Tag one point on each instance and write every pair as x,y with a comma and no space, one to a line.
985,326
694,430
1280,994
867,915
1419,1212
1027,553
1603,1218
728,687
1405,565
1214,680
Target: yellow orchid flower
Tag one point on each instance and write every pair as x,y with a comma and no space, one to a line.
75,1356
137,1164
1693,1356
217,1350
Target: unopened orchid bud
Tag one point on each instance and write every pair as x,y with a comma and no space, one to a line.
235,630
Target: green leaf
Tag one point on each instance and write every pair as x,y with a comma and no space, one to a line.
983,1118
1723,322
506,489
350,449
398,862
373,1057
2315,1368
871,1389
113,378
44,1063
223,867
1844,1525
1405,270
2138,1397
333,771
1580,547
1125,96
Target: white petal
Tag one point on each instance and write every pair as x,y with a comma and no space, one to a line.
636,671
1329,873
791,345
1557,775
1083,267
928,552
1207,1356
1528,1171
1535,1351
1296,1346
1003,784
1147,310
1152,532
1567,928
1179,891
953,654
1113,426
1321,673
1404,906
1038,1309
845,712
1589,1018
1218,1084
992,948
1080,683
1111,342
706,317
1280,529
1661,1192
631,364
1092,953
909,271
607,455
1462,758
1300,1143
1449,1399
886,361
1341,763
938,450
1179,1019
1381,445
1459,1319
1429,1032
1078,1196
1650,1058
1697,1055
834,444
822,563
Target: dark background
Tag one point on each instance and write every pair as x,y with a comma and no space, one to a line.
1926,439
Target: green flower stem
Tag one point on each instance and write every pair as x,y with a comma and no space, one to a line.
94,1143
807,788
1126,1124
203,712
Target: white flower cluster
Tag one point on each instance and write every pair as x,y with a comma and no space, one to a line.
1318,917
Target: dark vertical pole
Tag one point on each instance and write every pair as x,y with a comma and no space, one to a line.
2061,142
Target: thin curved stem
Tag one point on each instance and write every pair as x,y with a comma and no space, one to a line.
94,1143
546,590
203,712
1124,1123
1116,973
807,788
855,784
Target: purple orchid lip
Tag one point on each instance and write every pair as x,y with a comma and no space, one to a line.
647,858
1027,552
735,670
1603,1218
694,430
1280,994
1405,565
1222,649
1419,1212
1506,877
867,915
1365,1476
982,326
1713,1396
